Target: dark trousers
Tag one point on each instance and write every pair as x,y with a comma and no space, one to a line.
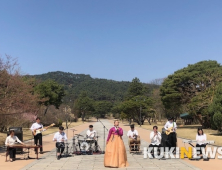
201,146
96,145
12,152
172,139
60,147
38,139
154,146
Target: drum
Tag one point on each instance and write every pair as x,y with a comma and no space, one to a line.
84,146
134,141
90,140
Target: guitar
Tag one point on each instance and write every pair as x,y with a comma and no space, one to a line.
37,131
169,130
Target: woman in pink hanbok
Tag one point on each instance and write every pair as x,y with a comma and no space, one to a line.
115,154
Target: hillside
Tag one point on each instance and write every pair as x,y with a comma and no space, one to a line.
98,89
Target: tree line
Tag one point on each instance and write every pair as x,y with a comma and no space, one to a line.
195,89
59,96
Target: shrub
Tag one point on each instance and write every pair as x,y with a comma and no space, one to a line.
218,120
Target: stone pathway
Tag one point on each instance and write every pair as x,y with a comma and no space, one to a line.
95,162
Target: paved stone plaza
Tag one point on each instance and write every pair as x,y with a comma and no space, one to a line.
91,162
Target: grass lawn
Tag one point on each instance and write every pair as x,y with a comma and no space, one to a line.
27,134
187,131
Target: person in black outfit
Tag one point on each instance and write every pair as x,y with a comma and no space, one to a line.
38,137
172,136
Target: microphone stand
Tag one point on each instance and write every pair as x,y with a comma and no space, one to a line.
104,127
67,144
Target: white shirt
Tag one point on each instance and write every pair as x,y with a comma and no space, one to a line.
201,138
91,134
131,133
11,140
171,124
36,126
58,137
155,140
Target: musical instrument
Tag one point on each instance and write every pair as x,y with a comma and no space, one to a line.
38,131
84,146
79,135
194,141
22,146
169,130
134,143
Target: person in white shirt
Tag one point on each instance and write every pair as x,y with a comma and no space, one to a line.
200,138
133,136
11,140
155,138
60,137
91,134
172,136
38,137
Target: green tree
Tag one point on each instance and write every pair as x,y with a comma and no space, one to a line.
135,88
137,103
84,104
215,109
136,106
191,88
102,108
51,92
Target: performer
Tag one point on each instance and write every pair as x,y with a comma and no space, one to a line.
155,138
172,136
10,140
60,137
38,137
115,155
91,134
200,138
133,136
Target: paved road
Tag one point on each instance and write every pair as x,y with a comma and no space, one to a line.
95,162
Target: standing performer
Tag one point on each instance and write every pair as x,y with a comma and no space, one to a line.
171,127
115,155
60,137
38,136
91,134
10,140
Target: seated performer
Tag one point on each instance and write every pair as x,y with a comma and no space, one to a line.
172,136
115,155
38,137
60,137
200,138
155,138
11,140
91,134
133,137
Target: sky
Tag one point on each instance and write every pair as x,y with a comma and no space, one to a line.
112,39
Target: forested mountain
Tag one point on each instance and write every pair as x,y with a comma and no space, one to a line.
97,89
